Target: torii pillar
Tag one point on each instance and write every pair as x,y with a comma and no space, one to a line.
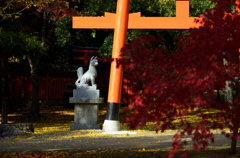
121,21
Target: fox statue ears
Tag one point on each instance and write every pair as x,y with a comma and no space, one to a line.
93,58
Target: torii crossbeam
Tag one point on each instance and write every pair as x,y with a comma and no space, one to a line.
181,21
121,21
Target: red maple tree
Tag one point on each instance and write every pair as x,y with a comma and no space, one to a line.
180,82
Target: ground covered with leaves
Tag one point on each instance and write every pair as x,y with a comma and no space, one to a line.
141,153
56,120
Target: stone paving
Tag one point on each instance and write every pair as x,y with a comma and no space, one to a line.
83,140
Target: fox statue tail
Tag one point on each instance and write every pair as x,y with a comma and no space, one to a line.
79,74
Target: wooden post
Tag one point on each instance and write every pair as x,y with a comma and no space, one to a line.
116,74
237,2
182,8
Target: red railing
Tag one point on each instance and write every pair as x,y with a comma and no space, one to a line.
49,87
54,87
86,56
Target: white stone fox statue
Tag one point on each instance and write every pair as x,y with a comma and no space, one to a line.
89,75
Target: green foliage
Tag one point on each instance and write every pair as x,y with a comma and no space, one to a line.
97,8
93,34
159,8
32,43
62,31
7,39
164,8
200,7
106,49
19,43
11,41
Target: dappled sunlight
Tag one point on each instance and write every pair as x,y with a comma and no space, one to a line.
56,119
8,121
12,115
49,128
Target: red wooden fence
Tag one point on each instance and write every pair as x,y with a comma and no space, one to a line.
49,87
54,87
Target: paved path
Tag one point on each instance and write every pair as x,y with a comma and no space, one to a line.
95,140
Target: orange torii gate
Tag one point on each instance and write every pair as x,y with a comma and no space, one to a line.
121,21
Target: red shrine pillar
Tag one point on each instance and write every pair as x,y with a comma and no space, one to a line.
116,74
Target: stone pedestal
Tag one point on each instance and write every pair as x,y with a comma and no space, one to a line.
86,104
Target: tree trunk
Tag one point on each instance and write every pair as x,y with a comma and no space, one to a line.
234,142
73,31
1,84
218,96
81,5
4,86
13,88
235,131
24,80
35,108
33,60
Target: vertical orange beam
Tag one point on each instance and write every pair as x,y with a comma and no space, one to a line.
237,2
182,8
116,73
120,34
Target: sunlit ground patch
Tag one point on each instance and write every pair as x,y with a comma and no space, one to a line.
56,119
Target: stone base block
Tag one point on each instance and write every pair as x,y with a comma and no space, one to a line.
111,125
85,114
86,93
87,87
85,100
77,126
